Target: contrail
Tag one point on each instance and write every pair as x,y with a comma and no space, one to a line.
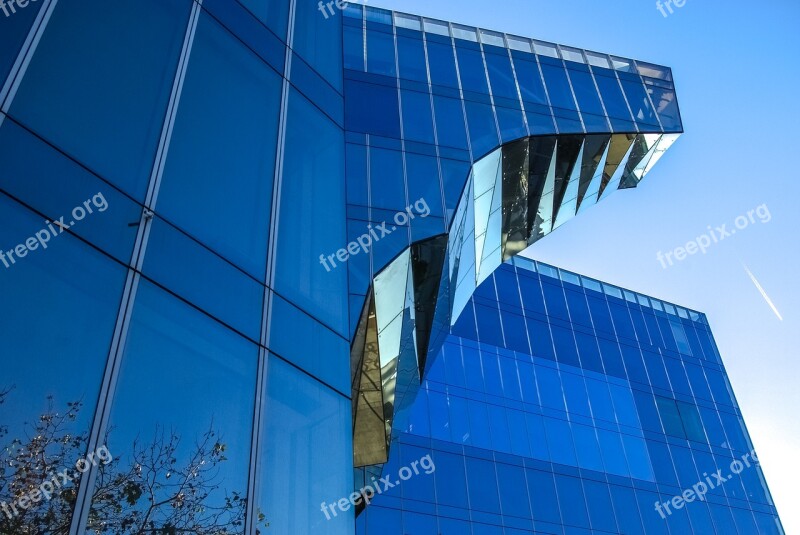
763,293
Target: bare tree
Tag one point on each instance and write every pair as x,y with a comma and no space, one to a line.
157,490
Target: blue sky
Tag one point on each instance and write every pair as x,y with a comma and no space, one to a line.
735,68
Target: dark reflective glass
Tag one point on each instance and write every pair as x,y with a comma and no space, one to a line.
360,101
273,13
417,120
442,63
450,123
380,53
14,28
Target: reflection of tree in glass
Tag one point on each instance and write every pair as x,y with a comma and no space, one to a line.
154,492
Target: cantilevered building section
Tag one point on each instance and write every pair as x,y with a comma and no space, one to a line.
505,139
549,401
202,313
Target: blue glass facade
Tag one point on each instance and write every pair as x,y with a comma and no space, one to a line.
560,404
182,183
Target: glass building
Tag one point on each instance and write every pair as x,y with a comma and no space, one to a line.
256,252
561,404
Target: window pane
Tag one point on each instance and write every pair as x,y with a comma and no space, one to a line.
227,126
318,40
182,416
118,75
56,339
298,473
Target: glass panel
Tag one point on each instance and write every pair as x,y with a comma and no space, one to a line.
82,113
401,20
492,38
472,71
380,53
417,121
519,43
614,100
315,227
14,31
622,64
670,417
436,27
308,443
465,32
545,49
182,416
411,57
572,54
375,14
188,269
598,60
318,41
442,64
501,77
56,338
654,71
273,13
227,126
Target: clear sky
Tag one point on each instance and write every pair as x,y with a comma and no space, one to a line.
736,71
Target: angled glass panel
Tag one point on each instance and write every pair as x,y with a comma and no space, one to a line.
594,163
618,154
569,204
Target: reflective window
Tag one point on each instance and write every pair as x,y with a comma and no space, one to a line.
482,128
39,176
640,105
318,40
614,100
417,120
273,13
196,274
572,501
450,124
180,437
500,74
13,32
354,47
411,56
387,185
544,500
482,485
315,226
57,322
442,63
302,414
119,75
471,69
380,53
588,100
670,417
558,87
323,352
236,141
361,101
